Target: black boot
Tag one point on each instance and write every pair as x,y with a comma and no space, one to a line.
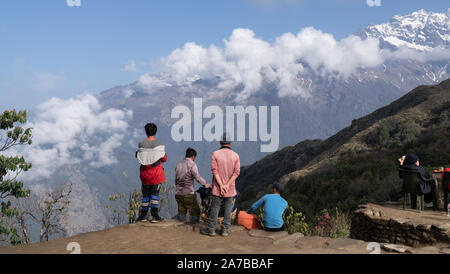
155,216
142,217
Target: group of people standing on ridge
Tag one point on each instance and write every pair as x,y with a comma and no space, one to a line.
225,168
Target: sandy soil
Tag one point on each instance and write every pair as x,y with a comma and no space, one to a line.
171,237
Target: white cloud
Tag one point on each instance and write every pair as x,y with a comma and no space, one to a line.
433,54
130,66
245,63
71,132
105,151
150,82
128,92
248,61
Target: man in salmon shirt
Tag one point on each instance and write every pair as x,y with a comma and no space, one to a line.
225,166
151,154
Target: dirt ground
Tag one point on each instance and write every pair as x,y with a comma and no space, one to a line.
170,237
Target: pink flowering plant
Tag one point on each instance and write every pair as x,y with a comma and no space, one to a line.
335,225
322,224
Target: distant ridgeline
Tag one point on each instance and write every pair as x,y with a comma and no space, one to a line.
359,163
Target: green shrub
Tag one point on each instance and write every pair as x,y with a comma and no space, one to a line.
295,221
394,132
121,211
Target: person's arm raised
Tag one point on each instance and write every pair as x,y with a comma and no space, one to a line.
401,160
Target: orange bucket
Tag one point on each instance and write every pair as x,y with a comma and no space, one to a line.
249,221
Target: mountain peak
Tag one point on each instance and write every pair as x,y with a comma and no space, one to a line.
420,30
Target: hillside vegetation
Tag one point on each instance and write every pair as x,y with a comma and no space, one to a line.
358,164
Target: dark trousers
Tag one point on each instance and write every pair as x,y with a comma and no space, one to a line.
150,200
433,195
214,211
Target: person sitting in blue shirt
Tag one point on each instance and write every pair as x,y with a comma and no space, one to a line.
274,206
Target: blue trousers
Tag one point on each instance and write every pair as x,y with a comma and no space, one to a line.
214,211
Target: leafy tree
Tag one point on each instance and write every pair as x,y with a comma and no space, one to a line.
117,209
10,168
121,211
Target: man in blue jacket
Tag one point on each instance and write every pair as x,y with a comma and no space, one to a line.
274,206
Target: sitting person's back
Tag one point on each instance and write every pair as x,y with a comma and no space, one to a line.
427,186
411,162
274,206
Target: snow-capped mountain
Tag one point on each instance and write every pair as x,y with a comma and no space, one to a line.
420,30
319,84
333,102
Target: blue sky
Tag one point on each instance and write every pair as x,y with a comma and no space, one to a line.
49,49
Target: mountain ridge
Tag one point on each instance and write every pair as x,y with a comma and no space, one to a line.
418,105
335,103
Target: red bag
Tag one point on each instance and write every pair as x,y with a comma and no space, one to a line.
249,221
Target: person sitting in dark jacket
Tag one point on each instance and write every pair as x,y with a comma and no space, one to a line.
428,186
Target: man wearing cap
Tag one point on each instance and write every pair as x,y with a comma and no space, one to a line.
225,167
274,206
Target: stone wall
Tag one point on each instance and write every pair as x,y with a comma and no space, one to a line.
381,224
